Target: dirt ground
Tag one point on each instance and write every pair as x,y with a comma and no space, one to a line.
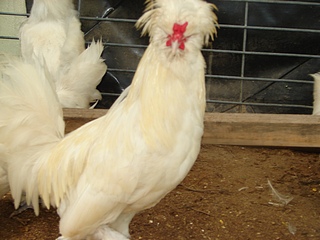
225,196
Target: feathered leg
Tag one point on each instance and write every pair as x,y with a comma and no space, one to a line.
122,223
107,233
103,233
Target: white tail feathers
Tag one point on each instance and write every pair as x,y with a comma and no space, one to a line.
316,94
31,121
78,87
27,97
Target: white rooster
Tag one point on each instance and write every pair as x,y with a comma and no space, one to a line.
316,94
103,173
52,36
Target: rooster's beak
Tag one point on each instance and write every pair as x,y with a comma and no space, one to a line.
174,47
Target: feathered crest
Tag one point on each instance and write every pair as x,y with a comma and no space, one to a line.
144,22
163,14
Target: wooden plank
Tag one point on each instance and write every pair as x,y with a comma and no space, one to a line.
262,130
76,117
237,129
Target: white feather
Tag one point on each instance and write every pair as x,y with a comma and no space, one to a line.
31,117
316,94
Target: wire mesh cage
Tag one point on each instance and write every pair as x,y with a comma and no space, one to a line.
259,63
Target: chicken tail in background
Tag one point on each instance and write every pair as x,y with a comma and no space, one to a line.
31,117
77,88
316,94
52,36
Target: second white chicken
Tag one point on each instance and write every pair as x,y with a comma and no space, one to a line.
51,37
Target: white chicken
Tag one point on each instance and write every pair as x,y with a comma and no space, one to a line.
103,173
316,94
52,36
